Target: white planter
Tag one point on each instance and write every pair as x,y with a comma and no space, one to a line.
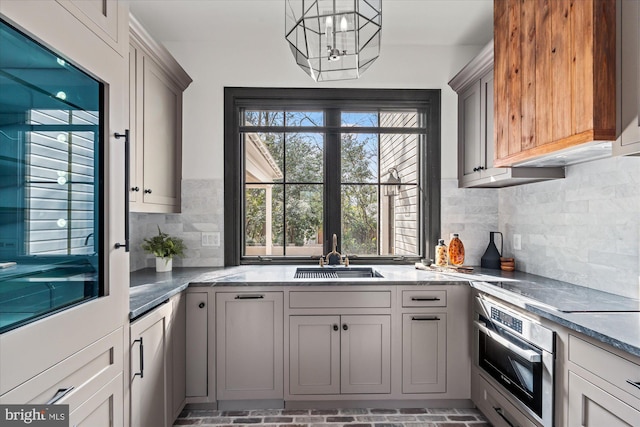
164,264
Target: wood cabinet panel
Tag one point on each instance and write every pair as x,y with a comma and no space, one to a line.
477,132
501,77
554,75
543,112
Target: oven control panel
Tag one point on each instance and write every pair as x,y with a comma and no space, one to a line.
506,319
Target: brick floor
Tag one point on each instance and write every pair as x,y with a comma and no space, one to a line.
409,417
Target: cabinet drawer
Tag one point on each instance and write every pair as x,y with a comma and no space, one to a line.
497,408
424,298
310,299
612,368
81,372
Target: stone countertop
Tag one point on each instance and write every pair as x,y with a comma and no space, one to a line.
537,294
620,329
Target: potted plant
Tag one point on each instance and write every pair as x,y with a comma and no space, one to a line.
164,247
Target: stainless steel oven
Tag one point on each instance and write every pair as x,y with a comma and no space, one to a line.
517,353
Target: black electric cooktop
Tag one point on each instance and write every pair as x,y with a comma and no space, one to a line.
569,298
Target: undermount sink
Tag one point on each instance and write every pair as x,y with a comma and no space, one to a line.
335,273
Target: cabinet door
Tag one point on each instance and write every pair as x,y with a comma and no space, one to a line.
135,123
197,327
103,409
469,120
249,341
487,137
424,351
176,354
162,118
629,76
148,371
591,406
314,354
365,361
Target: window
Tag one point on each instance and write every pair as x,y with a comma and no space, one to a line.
304,164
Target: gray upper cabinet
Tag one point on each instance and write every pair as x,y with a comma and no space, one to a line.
628,66
474,85
156,82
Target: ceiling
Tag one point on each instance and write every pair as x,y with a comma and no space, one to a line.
404,22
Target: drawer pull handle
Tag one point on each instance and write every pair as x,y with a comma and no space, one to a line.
62,392
420,319
500,412
141,373
636,384
254,296
425,299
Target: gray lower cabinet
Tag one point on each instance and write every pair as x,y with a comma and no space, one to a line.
148,369
333,354
197,318
424,351
158,362
249,345
591,406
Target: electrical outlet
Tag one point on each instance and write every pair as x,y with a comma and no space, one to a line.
211,238
517,242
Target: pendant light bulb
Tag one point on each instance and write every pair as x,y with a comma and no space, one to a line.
344,25
328,25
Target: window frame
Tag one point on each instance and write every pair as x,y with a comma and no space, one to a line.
237,98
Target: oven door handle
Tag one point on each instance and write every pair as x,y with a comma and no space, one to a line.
529,355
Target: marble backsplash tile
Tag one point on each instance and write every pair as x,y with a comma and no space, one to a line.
202,210
583,229
470,212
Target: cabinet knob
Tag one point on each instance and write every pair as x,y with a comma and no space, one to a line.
147,191
201,305
345,326
475,169
335,327
136,189
480,168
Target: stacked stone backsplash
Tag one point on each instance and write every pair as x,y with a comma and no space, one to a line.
202,210
583,229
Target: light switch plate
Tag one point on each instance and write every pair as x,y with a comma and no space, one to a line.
517,242
211,238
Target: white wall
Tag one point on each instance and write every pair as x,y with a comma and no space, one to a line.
247,63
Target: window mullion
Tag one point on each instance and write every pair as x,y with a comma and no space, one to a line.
332,178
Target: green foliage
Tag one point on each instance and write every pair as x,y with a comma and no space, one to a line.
164,246
303,155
